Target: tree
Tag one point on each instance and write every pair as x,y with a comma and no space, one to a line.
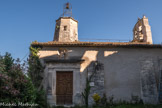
35,72
8,61
35,69
15,86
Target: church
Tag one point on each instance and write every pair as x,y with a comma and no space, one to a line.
122,70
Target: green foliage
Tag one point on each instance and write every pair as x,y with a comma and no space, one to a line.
58,107
35,70
96,98
100,101
110,101
34,51
86,92
14,85
135,99
8,61
2,66
57,27
96,67
41,99
118,106
104,100
136,106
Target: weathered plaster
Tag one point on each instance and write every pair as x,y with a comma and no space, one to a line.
123,68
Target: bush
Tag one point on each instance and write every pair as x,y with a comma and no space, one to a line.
35,72
15,86
96,98
104,100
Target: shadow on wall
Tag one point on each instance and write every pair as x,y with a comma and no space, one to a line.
127,72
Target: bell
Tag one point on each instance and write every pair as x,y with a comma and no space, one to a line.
67,5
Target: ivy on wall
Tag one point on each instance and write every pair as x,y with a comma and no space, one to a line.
96,67
35,72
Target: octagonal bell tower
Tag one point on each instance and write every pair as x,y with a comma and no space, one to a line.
66,29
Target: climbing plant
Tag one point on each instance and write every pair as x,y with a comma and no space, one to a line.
35,72
96,67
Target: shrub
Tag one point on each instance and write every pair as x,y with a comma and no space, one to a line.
15,86
96,98
104,100
35,72
35,69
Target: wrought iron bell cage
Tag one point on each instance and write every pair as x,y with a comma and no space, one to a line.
67,10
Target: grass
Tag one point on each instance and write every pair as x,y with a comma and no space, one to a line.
120,106
136,106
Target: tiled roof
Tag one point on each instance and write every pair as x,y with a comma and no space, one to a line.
96,44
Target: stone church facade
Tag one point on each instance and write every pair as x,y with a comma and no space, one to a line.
129,69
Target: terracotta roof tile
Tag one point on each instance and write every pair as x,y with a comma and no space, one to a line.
96,44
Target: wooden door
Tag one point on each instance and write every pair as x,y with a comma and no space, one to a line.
64,87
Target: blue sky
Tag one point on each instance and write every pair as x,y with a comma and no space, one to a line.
24,21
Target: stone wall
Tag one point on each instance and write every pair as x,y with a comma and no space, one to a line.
97,83
66,30
50,81
149,90
127,71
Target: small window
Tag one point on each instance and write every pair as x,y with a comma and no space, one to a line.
65,28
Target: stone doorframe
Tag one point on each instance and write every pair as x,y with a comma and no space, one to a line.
52,68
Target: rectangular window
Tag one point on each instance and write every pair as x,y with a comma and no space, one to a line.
65,28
